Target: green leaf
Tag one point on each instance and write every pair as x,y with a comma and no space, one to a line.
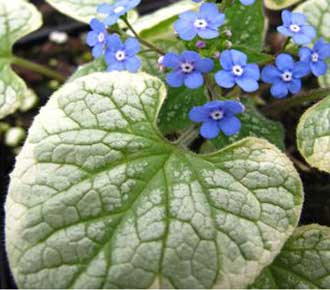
304,262
247,24
98,198
254,124
313,135
97,65
81,10
279,4
317,12
18,18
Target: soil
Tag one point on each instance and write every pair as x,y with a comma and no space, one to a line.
66,57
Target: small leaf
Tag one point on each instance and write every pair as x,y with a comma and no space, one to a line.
254,124
280,4
18,18
247,24
313,135
98,198
303,262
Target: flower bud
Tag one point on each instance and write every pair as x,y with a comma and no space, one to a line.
200,44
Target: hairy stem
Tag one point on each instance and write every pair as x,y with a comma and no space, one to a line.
38,68
284,105
143,41
187,136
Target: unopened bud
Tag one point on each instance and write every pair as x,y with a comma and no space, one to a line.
228,44
216,55
160,64
200,44
228,34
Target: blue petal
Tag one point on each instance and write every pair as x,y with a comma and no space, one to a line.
199,114
270,74
226,60
309,31
225,79
294,86
175,79
111,19
217,20
204,65
190,56
97,50
286,17
208,10
104,8
116,66
171,60
301,39
114,42
208,33
319,68
92,39
97,25
252,71
194,80
247,2
230,125
298,18
285,31
300,69
279,90
133,64
305,54
185,29
238,57
190,16
132,46
210,130
284,62
247,84
233,107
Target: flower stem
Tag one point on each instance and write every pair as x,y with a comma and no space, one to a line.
143,41
38,68
187,137
284,105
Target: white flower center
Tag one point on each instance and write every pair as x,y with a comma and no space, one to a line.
287,76
237,70
120,55
200,23
217,115
119,9
101,37
315,57
187,67
294,28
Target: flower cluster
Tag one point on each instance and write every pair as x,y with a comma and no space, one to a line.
192,70
119,55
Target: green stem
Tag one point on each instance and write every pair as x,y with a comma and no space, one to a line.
143,41
286,104
38,68
187,137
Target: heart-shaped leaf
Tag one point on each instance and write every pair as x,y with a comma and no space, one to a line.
18,18
99,199
313,135
304,262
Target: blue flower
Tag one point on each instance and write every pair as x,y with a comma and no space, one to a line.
204,23
315,57
237,71
295,25
217,116
187,69
97,37
286,76
122,56
116,10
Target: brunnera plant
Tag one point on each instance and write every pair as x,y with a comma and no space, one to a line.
99,198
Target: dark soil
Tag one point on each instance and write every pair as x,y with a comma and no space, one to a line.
66,57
